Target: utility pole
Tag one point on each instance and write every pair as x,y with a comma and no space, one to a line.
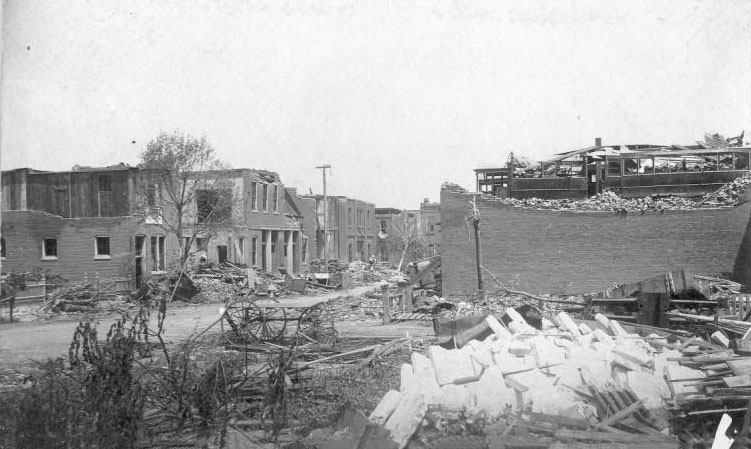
325,216
473,218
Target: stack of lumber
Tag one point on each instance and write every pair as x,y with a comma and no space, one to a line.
567,385
79,297
710,381
736,327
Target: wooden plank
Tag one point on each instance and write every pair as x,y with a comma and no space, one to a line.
504,441
644,415
560,445
743,380
611,437
622,414
560,420
741,366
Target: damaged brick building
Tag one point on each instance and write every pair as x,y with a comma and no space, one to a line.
88,221
573,252
350,228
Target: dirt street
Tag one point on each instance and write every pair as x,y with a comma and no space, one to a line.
20,343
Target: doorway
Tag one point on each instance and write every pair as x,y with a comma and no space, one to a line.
221,251
139,243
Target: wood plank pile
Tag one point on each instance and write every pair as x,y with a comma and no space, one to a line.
568,385
709,380
79,297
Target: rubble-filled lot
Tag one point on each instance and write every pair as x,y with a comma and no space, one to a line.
728,195
511,370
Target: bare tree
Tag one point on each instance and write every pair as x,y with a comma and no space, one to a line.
181,189
406,236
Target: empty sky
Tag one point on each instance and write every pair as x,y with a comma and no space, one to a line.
398,96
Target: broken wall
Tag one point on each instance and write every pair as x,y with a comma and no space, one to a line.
547,251
25,231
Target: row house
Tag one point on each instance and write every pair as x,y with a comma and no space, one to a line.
350,232
92,221
266,226
430,225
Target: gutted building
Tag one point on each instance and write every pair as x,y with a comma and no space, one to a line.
637,170
112,222
420,229
580,252
78,223
264,226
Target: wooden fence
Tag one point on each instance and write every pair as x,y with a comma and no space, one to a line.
39,291
738,305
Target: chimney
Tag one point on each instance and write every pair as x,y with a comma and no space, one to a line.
598,142
425,200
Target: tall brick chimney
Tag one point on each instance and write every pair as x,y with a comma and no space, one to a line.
598,142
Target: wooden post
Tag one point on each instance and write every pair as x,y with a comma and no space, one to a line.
407,299
44,289
386,304
478,254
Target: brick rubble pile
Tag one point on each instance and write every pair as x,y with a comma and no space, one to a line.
727,196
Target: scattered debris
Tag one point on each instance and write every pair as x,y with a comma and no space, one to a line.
730,194
81,297
568,382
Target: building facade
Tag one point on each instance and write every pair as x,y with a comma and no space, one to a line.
350,231
266,226
385,249
631,171
567,252
430,224
111,222
79,223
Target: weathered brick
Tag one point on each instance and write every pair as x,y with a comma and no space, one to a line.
545,251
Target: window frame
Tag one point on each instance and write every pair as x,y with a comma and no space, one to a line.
253,248
253,196
97,255
45,256
158,257
3,248
104,183
139,251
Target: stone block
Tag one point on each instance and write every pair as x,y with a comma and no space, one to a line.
450,365
406,418
386,407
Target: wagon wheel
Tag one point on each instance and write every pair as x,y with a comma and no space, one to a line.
249,323
316,325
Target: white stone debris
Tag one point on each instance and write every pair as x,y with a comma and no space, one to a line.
520,366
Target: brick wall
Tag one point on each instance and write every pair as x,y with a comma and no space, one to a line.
568,252
24,232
